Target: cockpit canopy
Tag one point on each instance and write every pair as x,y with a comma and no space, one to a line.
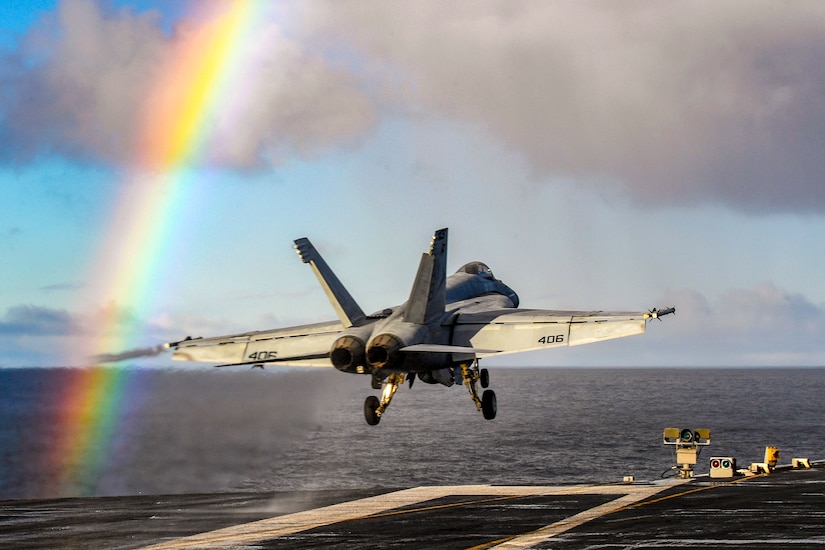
476,279
477,268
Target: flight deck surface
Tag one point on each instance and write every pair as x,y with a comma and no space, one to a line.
785,508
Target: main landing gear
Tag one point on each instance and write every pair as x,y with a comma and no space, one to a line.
473,375
374,407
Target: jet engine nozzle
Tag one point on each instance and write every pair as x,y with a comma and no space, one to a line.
348,353
384,352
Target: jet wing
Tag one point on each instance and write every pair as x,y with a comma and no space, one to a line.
304,345
511,331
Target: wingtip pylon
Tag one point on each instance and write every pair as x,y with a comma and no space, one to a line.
660,312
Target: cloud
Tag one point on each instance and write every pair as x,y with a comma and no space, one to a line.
86,81
29,320
34,335
43,336
674,103
765,325
699,102
30,333
78,80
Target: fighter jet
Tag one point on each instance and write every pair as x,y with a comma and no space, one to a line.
439,335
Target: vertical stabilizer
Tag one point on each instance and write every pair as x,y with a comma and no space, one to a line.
345,306
429,292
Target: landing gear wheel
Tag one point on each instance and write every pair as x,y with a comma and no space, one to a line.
376,383
370,405
488,404
484,377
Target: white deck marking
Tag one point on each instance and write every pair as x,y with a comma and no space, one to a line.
637,494
257,531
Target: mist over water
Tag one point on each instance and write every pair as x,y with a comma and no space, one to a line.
210,430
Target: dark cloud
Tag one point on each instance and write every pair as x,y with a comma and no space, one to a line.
28,320
698,102
676,103
37,335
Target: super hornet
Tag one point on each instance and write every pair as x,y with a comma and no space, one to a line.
438,335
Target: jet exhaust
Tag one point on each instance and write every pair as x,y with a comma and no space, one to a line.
129,354
348,353
384,352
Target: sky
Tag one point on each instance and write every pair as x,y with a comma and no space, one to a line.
157,159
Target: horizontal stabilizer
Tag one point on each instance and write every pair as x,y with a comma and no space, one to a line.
436,348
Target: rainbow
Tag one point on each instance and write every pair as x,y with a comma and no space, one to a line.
172,133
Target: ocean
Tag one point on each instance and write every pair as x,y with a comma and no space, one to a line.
213,430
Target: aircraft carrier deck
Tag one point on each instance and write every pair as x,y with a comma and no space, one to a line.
779,510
